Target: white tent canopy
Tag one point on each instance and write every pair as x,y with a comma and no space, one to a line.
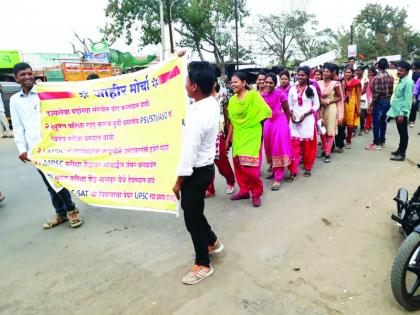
321,59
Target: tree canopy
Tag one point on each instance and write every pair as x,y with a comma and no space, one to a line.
208,26
204,25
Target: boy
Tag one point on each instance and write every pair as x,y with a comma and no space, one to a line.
400,109
196,168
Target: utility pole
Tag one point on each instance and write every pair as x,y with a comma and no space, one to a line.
236,28
168,9
162,29
351,34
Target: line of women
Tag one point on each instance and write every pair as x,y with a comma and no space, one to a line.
285,122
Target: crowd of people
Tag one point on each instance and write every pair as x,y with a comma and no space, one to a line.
287,120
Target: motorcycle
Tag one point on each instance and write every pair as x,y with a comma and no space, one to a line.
405,274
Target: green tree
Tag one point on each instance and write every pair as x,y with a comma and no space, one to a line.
383,30
317,43
283,34
204,25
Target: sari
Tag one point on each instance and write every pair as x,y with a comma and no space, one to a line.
352,92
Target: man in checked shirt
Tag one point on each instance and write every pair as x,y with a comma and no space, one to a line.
382,88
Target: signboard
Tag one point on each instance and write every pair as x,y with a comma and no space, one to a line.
97,58
115,142
391,58
8,58
352,51
80,71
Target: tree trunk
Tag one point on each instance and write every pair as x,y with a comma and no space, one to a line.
197,47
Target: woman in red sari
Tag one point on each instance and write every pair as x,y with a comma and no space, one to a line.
352,92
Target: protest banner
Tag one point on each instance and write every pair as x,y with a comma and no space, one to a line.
115,142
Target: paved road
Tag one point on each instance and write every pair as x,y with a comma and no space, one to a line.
320,245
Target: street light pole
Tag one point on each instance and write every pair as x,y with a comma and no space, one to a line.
236,29
162,30
168,9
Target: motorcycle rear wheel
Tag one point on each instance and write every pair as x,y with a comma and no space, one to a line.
401,269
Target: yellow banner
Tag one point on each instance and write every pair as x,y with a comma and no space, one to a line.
115,142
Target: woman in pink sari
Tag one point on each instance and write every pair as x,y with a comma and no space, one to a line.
277,141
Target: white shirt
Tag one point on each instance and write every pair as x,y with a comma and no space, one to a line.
25,111
305,129
363,98
1,103
199,135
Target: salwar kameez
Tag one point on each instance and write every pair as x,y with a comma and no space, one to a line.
246,117
304,137
329,114
277,141
223,165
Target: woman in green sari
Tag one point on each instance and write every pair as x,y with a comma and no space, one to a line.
247,110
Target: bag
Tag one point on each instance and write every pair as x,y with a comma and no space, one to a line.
320,127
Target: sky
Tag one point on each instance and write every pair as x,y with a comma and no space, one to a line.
49,25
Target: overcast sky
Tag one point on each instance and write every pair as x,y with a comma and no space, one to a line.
48,25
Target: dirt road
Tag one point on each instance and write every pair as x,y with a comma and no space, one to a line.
320,245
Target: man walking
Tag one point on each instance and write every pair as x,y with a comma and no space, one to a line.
400,109
26,118
382,87
196,168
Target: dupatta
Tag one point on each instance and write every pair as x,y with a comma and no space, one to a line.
246,116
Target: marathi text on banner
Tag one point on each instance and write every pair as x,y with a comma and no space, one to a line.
115,142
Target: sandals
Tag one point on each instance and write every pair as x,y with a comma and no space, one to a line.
57,219
74,218
275,187
307,174
291,178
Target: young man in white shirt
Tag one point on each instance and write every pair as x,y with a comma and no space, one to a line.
26,118
196,168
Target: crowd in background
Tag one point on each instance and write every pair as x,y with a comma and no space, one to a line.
287,116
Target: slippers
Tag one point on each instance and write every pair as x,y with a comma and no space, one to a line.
291,178
275,187
57,219
75,219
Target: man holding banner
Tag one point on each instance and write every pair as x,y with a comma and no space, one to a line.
26,117
196,167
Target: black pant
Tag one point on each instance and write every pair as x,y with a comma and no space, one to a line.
61,200
363,114
340,137
193,191
403,132
413,112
